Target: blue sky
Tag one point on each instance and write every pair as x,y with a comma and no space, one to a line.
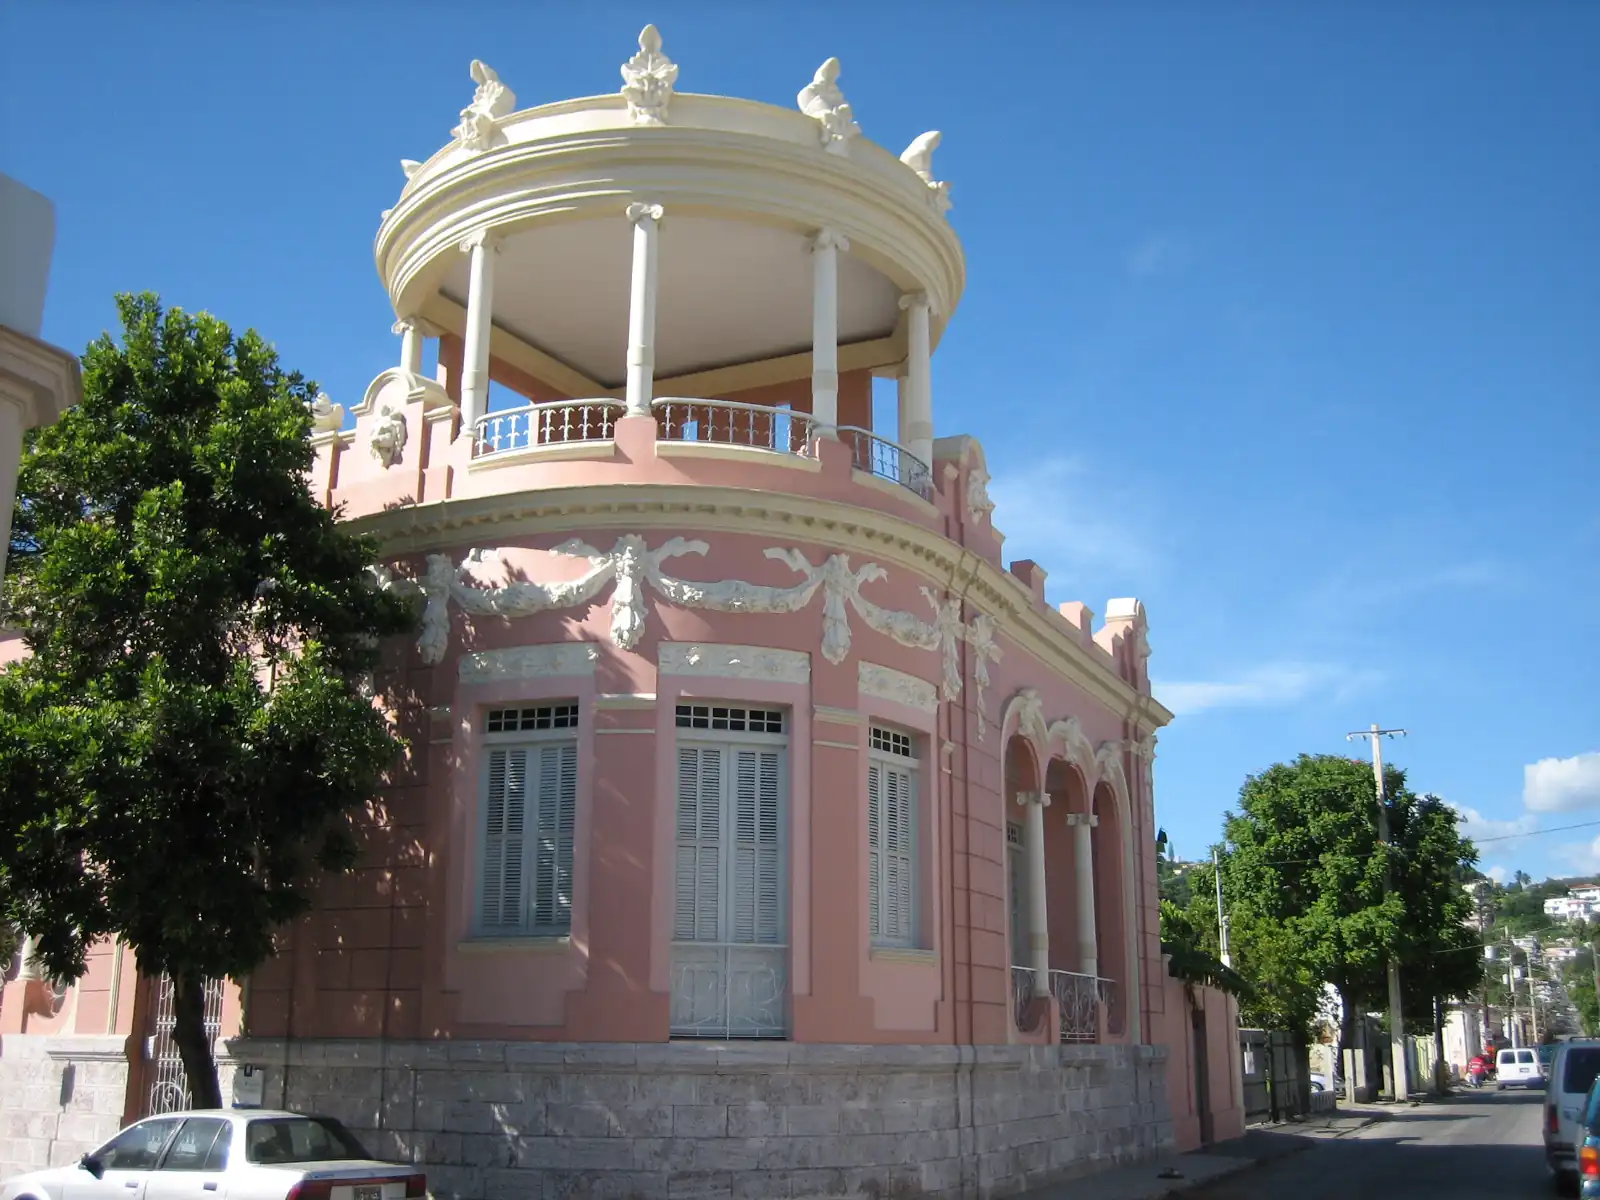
1284,319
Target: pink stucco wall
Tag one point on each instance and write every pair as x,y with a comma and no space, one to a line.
386,952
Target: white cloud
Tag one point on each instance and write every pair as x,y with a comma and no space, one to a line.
1498,873
1583,858
1159,254
1068,519
1477,826
1271,685
1562,784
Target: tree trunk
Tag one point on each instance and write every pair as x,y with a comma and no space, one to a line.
189,1033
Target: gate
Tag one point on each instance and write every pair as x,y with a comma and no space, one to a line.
166,1085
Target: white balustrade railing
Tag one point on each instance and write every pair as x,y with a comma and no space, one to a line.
888,460
1080,998
545,424
733,423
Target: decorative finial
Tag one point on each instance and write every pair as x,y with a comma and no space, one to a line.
647,80
326,416
410,166
491,101
919,157
823,102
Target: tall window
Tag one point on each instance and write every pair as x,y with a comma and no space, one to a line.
1017,879
893,882
530,801
730,951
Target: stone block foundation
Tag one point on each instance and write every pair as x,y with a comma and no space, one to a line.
60,1096
537,1120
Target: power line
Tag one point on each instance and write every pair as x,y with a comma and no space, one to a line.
1506,837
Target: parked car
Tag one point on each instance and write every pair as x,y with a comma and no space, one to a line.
1586,1145
1573,1071
238,1154
1517,1068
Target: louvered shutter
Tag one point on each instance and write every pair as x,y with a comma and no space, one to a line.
1020,952
504,841
557,814
891,854
875,772
756,900
698,899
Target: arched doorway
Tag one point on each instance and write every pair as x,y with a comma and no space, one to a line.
1021,780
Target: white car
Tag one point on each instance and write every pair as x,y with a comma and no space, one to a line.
1518,1068
235,1154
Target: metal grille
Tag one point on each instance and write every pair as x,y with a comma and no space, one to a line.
1080,998
888,460
168,1089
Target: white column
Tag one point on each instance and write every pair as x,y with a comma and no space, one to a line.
825,249
410,331
1083,862
1038,907
480,303
30,967
916,429
646,220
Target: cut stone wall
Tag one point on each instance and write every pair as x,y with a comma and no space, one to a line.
59,1097
512,1120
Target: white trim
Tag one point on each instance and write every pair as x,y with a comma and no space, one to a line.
531,944
886,683
909,767
836,716
625,700
727,661
528,662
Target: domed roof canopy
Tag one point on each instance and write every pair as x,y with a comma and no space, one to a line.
744,188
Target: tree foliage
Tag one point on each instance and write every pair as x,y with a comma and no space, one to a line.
179,751
1304,877
1189,960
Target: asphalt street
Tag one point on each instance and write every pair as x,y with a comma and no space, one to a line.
1477,1146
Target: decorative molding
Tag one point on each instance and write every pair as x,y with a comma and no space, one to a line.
979,506
528,662
1145,748
410,166
491,100
886,683
919,157
980,636
482,238
723,661
388,438
823,102
1041,798
1085,819
1030,717
647,80
903,543
637,212
1076,743
1108,764
625,700
836,716
829,239
326,416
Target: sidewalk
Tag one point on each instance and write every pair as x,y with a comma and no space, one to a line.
1172,1174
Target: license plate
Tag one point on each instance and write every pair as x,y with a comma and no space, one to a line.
367,1191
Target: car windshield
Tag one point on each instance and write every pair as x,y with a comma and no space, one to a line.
298,1140
1580,1067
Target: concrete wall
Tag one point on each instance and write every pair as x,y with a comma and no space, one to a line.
59,1097
767,1119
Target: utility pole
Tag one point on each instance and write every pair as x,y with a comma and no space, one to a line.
1397,1026
1222,917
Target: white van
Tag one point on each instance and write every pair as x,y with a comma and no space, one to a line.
1517,1068
1572,1072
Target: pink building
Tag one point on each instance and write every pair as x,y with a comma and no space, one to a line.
760,827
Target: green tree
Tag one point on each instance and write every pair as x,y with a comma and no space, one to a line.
180,750
1189,958
1304,876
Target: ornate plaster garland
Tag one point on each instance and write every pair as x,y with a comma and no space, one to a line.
634,568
